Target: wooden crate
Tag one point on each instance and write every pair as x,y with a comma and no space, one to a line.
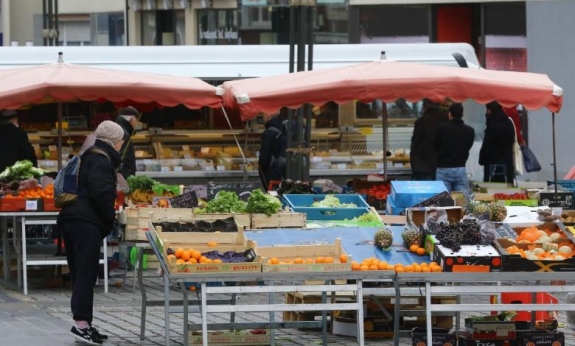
278,220
243,220
308,298
227,241
137,219
230,338
286,254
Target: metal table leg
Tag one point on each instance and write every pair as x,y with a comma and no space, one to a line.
186,312
144,298
360,330
167,307
24,255
204,313
428,312
5,247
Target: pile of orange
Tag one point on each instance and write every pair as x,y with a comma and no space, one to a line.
373,263
319,259
416,249
36,192
190,256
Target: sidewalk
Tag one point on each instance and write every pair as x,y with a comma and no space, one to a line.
43,318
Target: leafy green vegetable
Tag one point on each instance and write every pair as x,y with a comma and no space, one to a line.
261,202
141,182
367,217
226,202
22,170
333,202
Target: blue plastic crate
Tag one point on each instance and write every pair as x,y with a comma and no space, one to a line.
568,184
306,200
302,204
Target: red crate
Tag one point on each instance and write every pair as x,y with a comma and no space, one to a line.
19,204
49,205
527,298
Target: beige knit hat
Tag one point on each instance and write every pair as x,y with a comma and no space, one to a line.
109,132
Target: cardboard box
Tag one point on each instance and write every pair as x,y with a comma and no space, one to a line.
417,216
490,330
391,209
303,252
561,199
540,339
439,337
520,202
409,193
514,262
21,204
231,338
467,341
470,258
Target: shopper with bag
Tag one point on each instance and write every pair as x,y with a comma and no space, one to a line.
496,154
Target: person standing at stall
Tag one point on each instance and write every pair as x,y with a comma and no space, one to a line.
87,221
272,160
14,141
496,154
422,156
453,141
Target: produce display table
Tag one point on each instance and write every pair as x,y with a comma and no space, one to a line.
19,221
482,284
271,279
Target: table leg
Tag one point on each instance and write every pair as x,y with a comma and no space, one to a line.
428,313
105,265
167,307
186,312
24,255
324,317
204,314
137,266
17,243
396,313
360,331
144,299
271,300
5,246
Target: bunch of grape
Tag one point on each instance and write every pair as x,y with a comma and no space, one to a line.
454,235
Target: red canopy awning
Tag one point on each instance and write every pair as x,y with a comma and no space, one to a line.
61,82
389,81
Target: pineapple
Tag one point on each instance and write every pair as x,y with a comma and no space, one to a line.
478,209
383,238
497,211
411,237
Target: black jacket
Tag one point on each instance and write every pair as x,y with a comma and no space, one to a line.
15,146
453,141
498,142
422,155
127,153
97,190
273,144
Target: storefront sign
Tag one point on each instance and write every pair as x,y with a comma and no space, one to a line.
247,3
221,34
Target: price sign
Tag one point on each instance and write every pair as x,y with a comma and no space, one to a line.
244,190
31,205
185,200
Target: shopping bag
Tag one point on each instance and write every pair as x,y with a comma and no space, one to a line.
529,160
518,159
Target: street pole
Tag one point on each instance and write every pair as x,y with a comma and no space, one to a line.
301,31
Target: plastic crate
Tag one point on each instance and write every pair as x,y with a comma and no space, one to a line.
568,184
302,204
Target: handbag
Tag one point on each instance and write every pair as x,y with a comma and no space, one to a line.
529,160
517,154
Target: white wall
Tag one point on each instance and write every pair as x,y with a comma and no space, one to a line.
91,6
550,50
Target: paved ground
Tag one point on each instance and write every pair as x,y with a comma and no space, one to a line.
43,318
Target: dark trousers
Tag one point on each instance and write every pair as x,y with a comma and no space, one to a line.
82,242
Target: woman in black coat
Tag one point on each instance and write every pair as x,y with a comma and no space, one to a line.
497,147
87,221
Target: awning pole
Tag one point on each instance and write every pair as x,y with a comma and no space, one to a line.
239,146
554,155
59,139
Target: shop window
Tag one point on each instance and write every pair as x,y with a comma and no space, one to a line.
257,17
394,24
163,28
506,37
218,27
400,112
331,24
